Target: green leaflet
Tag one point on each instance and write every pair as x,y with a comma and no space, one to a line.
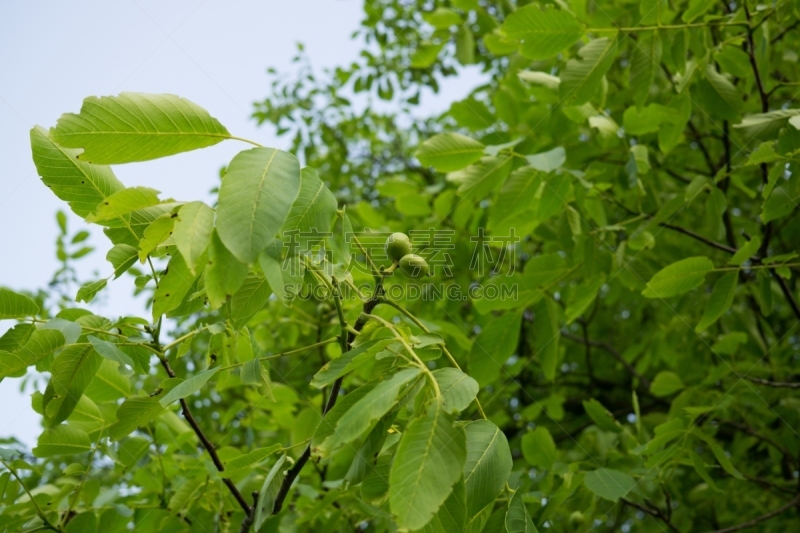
452,515
720,300
224,274
479,179
666,383
268,492
88,291
122,257
255,197
63,439
582,78
312,212
137,127
248,300
678,278
543,32
348,361
458,389
173,286
80,184
493,346
249,459
609,484
15,305
124,202
518,520
192,232
40,344
428,462
111,352
138,411
188,387
539,448
644,66
448,152
71,372
601,416
487,466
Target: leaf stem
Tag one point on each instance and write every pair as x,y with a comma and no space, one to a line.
248,141
290,352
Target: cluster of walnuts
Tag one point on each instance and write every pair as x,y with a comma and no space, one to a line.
398,249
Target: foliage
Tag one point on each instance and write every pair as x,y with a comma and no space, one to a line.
628,174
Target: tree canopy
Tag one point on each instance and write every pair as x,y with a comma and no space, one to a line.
589,321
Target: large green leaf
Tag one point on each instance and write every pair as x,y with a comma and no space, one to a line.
40,344
15,305
448,152
62,440
124,202
137,127
678,278
428,462
268,492
487,466
582,78
71,372
609,484
720,300
493,346
539,448
348,361
224,274
248,300
192,231
312,211
255,197
780,203
644,66
458,389
543,32
140,410
80,184
546,330
188,387
518,520
173,286
481,178
601,416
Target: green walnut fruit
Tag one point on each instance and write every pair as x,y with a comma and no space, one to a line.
414,266
397,246
576,519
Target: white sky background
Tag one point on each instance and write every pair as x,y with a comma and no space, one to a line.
213,52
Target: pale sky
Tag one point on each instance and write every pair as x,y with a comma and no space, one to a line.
213,52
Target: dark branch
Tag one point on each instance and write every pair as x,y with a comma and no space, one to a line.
610,349
776,384
655,513
762,518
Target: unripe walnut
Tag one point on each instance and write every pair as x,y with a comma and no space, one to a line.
397,245
414,266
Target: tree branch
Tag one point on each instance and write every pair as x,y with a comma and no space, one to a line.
776,384
655,513
610,349
762,518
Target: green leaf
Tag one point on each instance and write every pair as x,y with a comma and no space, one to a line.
268,493
452,515
582,297
137,127
256,195
448,152
548,161
138,411
224,274
720,301
458,389
312,212
367,410
248,300
582,78
479,179
348,361
88,291
487,466
110,351
678,278
644,66
429,460
546,330
666,383
124,202
726,99
779,204
609,484
539,448
518,520
122,257
62,440
192,231
425,55
696,9
71,372
601,416
719,453
465,45
156,234
767,120
540,78
188,387
493,346
15,305
40,344
442,18
80,184
249,459
173,286
544,33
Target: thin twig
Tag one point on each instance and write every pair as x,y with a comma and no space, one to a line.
610,349
762,518
776,384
